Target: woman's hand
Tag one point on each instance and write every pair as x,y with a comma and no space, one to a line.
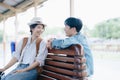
19,71
49,43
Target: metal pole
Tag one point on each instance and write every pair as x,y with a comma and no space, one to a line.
16,28
4,42
35,8
71,8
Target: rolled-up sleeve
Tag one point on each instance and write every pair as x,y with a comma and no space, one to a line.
18,50
63,43
42,53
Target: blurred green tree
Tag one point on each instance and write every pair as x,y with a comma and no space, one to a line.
107,29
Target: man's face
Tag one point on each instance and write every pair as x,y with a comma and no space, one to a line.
68,30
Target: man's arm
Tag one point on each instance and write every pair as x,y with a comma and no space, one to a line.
61,43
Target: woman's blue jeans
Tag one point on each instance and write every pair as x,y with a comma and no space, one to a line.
28,75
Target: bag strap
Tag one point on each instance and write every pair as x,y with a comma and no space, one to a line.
25,39
37,44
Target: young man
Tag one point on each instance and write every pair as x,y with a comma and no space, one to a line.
72,30
28,57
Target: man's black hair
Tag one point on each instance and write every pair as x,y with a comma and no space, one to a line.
74,22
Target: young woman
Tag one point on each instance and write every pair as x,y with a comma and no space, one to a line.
27,57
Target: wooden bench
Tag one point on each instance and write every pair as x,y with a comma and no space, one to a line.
66,64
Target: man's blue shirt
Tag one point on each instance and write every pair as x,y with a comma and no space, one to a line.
76,39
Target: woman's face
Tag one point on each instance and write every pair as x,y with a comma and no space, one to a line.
37,31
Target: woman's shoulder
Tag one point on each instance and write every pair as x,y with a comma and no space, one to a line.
43,41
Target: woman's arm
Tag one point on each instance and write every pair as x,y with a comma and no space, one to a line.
39,61
11,63
32,66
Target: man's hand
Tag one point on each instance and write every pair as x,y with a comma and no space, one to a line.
49,43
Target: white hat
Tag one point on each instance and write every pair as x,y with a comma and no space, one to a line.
36,20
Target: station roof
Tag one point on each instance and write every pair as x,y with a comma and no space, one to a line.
9,8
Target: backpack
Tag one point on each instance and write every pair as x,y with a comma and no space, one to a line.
25,39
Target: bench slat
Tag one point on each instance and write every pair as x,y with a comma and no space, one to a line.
58,70
60,64
57,51
66,65
66,58
57,75
61,58
44,77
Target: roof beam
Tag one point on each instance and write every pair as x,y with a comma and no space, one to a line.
1,0
29,3
26,3
8,7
